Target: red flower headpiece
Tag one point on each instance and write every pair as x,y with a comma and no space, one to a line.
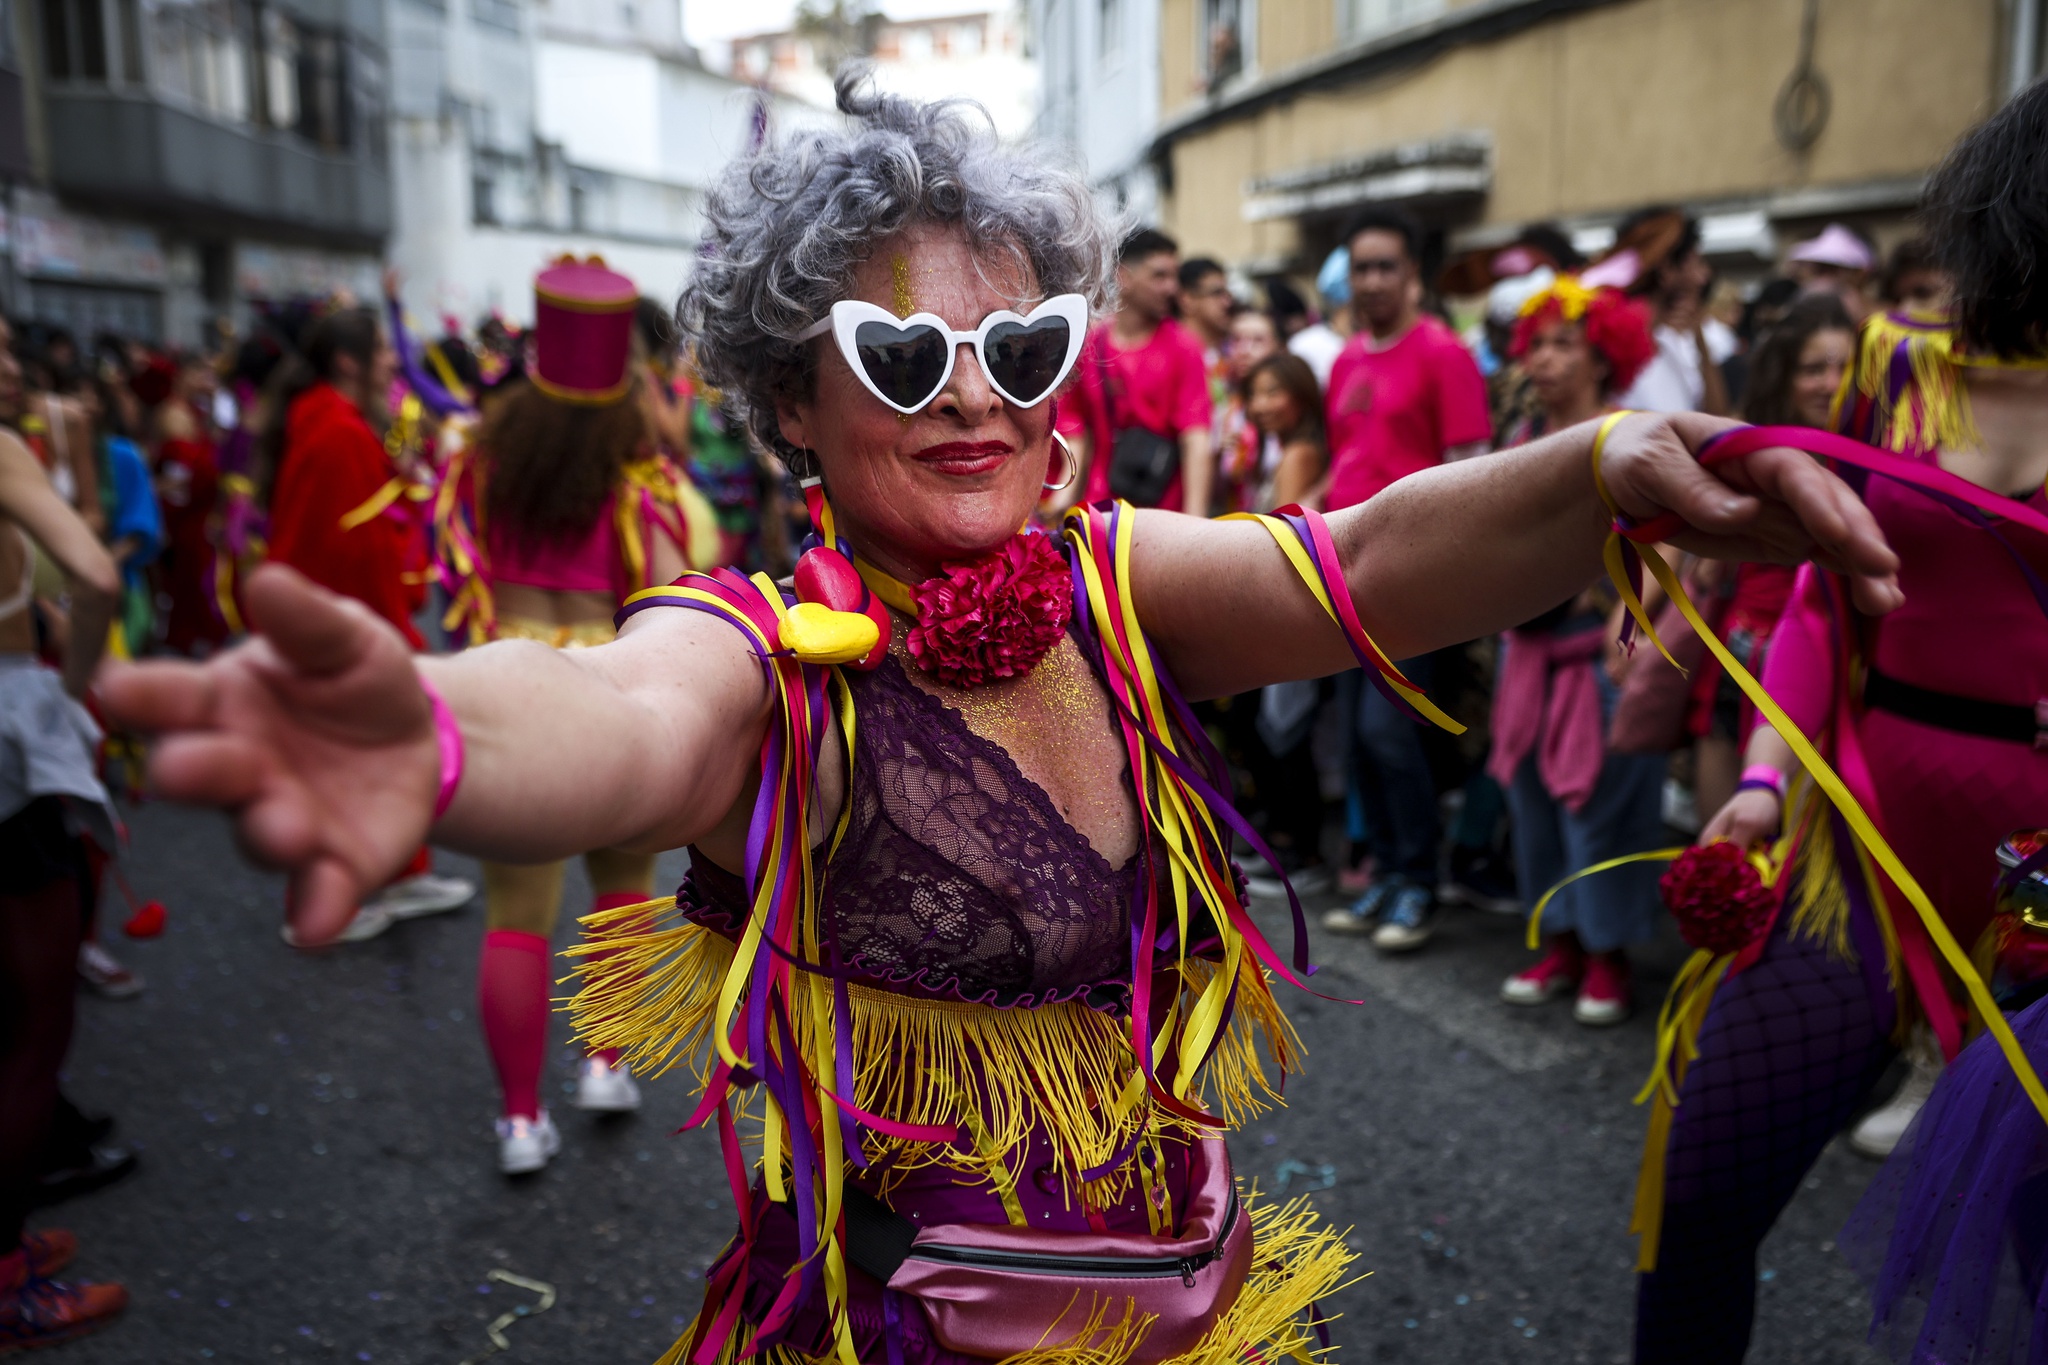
1616,326
994,617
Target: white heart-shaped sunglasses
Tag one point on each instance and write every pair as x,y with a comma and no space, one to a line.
906,362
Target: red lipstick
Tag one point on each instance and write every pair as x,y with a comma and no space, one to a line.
963,458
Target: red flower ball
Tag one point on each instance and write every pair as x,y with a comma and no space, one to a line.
995,617
1719,901
146,922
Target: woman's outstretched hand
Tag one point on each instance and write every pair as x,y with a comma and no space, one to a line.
315,733
1775,504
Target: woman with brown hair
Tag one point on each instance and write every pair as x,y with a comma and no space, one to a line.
1285,407
574,508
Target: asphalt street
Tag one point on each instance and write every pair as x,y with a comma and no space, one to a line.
318,1179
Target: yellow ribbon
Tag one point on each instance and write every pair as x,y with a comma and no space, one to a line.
395,487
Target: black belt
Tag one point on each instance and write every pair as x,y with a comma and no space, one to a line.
1964,715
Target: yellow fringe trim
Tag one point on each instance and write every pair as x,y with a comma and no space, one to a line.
650,980
1820,906
1299,1261
1933,412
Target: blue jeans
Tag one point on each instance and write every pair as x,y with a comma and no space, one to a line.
1394,782
1625,814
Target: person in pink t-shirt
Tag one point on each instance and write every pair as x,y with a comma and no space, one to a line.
1404,394
1141,387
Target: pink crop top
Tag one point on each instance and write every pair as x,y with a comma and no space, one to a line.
590,563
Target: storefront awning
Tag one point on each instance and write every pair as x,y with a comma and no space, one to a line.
1457,166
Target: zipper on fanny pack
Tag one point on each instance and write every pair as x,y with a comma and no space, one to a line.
1100,1267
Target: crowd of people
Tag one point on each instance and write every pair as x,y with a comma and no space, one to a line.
1070,739
1579,750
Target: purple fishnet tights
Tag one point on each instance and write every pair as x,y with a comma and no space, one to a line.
1789,1050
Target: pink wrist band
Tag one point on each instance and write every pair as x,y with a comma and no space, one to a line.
448,737
1762,777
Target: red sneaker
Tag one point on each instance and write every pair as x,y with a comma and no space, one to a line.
49,1251
38,1311
1604,999
1557,974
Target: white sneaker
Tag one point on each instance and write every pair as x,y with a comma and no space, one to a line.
525,1145
606,1089
426,894
103,972
1879,1133
370,921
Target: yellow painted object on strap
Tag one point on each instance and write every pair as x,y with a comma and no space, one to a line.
1861,826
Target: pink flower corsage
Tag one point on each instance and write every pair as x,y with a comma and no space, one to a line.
995,617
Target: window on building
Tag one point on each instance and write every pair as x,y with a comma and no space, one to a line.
200,56
92,39
79,44
483,198
1359,19
917,44
366,89
280,70
498,14
57,60
1109,28
1226,32
967,40
323,90
130,12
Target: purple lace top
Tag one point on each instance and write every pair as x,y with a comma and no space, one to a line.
958,876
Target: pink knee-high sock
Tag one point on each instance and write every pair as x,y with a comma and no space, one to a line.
612,900
512,1001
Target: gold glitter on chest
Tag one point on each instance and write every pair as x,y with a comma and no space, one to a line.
1055,723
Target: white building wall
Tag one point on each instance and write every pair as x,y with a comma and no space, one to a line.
601,104
1099,92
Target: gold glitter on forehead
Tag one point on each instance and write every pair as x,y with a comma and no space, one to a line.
902,299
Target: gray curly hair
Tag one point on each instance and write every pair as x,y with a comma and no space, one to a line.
785,229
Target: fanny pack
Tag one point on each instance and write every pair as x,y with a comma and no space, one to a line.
994,1291
1142,463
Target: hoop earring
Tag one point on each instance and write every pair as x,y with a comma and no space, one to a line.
1073,465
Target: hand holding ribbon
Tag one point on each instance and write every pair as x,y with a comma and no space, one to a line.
1770,503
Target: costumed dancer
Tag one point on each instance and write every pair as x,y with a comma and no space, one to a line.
960,926
340,514
1929,714
49,800
187,468
1953,1234
1573,800
578,511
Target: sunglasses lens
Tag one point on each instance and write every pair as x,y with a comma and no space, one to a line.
904,363
1025,359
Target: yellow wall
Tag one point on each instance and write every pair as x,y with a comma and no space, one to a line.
1609,109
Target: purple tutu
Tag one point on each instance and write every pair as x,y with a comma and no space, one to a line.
1953,1235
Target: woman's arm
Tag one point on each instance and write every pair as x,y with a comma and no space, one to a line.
95,585
317,735
1460,551
1300,470
85,467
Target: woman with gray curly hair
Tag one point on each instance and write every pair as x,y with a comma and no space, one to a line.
960,921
